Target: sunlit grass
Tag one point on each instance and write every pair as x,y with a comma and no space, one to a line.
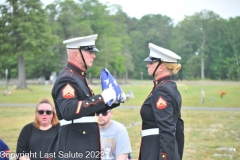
12,121
141,89
205,131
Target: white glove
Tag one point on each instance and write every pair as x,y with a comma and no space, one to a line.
108,95
124,97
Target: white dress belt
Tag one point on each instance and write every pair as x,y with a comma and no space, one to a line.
148,132
79,120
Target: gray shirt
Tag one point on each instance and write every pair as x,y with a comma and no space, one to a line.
114,141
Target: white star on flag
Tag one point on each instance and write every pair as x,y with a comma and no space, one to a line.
108,81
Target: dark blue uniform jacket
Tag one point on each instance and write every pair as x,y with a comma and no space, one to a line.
162,110
74,99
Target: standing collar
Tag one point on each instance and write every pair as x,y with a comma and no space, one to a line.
161,80
76,69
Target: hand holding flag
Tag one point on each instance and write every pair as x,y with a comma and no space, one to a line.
107,82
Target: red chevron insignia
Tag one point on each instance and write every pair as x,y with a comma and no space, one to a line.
68,91
161,103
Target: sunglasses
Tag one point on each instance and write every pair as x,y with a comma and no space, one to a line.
103,113
41,112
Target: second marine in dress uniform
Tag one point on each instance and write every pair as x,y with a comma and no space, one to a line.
76,104
162,126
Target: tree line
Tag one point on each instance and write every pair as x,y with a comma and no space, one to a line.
31,36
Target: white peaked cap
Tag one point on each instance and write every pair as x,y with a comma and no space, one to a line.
164,54
81,41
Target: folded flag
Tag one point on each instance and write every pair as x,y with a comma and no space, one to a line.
108,81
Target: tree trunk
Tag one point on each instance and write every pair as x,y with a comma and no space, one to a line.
202,68
202,53
21,73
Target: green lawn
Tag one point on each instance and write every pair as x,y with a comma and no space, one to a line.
206,132
141,89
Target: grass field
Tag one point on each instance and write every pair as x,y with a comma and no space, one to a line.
141,89
209,135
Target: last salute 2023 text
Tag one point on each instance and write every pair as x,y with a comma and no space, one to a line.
69,154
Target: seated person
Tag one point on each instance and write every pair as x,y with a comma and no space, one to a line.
36,136
115,142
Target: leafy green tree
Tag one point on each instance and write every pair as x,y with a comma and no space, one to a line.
9,63
33,37
232,30
155,29
119,55
24,32
90,17
201,34
139,52
66,21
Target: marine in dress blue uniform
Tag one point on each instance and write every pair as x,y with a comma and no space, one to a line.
162,125
76,104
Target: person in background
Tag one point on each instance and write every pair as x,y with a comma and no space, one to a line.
162,125
4,150
35,137
115,143
202,95
76,104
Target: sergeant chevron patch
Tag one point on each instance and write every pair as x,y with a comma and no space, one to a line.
161,103
68,91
